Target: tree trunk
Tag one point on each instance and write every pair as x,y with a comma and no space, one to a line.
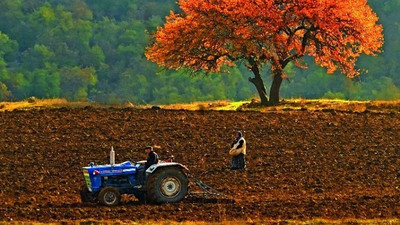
275,87
259,83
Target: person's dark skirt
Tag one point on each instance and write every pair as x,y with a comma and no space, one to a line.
238,162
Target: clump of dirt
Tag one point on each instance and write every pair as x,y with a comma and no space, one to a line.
301,164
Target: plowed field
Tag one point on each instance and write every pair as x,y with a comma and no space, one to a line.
301,165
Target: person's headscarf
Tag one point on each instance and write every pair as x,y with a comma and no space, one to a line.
240,135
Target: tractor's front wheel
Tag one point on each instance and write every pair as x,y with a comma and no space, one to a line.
167,185
109,196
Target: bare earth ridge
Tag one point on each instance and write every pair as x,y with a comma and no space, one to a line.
301,165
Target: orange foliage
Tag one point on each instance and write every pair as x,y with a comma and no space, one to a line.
211,33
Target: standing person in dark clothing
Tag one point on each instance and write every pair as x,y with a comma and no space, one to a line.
238,152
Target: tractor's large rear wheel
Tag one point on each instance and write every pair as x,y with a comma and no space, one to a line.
109,196
167,185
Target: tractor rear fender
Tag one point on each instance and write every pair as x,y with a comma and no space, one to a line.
155,167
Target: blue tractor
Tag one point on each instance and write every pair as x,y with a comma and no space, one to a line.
164,182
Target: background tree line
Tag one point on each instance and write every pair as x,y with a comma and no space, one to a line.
94,50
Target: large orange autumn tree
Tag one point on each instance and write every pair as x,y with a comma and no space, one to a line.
209,34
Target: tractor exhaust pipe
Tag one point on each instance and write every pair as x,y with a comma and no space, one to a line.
112,156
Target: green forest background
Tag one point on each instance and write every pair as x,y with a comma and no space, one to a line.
94,50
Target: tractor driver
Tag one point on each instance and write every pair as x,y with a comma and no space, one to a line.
152,158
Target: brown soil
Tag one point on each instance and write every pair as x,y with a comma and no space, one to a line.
301,165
